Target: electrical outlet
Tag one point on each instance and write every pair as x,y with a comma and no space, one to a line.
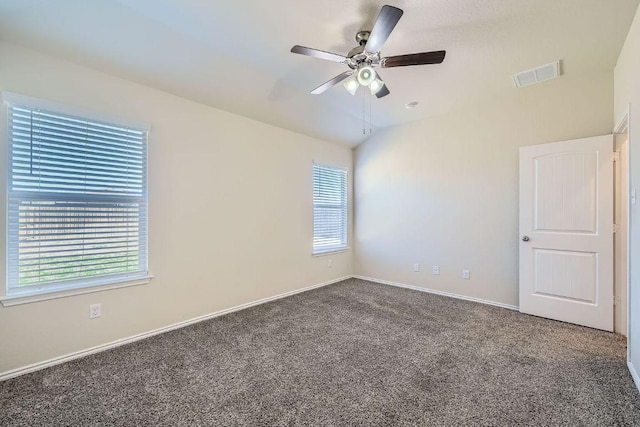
436,270
466,274
95,310
329,263
416,268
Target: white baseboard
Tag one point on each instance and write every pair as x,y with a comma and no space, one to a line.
433,291
102,347
634,374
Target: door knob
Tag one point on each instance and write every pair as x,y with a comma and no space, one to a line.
525,239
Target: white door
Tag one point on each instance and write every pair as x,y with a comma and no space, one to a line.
566,231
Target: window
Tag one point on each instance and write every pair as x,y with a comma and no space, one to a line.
329,209
77,200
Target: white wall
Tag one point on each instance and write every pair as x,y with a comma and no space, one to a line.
230,213
444,191
627,91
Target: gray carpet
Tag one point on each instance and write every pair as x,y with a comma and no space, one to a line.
353,353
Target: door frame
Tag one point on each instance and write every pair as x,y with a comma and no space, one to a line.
622,128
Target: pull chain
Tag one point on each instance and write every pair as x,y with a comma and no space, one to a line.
370,100
364,123
364,113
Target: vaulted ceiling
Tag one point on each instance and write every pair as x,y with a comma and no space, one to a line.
234,55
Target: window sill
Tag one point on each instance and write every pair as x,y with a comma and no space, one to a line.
40,295
330,252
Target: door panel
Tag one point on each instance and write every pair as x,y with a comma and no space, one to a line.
560,175
565,274
566,212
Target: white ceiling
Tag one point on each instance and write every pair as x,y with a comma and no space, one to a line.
234,55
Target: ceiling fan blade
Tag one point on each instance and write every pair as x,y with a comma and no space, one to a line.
414,59
385,23
334,81
321,54
384,90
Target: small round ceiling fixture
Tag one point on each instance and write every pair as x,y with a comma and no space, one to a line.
366,75
411,105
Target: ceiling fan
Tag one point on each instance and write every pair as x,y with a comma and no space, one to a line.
362,59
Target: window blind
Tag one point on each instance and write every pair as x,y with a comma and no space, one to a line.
77,201
329,209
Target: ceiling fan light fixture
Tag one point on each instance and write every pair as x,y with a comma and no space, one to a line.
375,86
351,84
366,75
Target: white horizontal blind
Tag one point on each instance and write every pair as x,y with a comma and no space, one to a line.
329,209
77,201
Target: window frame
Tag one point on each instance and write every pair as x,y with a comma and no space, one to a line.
43,291
344,245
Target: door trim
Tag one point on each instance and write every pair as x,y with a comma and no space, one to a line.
622,127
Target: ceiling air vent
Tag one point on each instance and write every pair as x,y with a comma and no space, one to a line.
537,75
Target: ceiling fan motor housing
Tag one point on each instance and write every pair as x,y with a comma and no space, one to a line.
358,57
